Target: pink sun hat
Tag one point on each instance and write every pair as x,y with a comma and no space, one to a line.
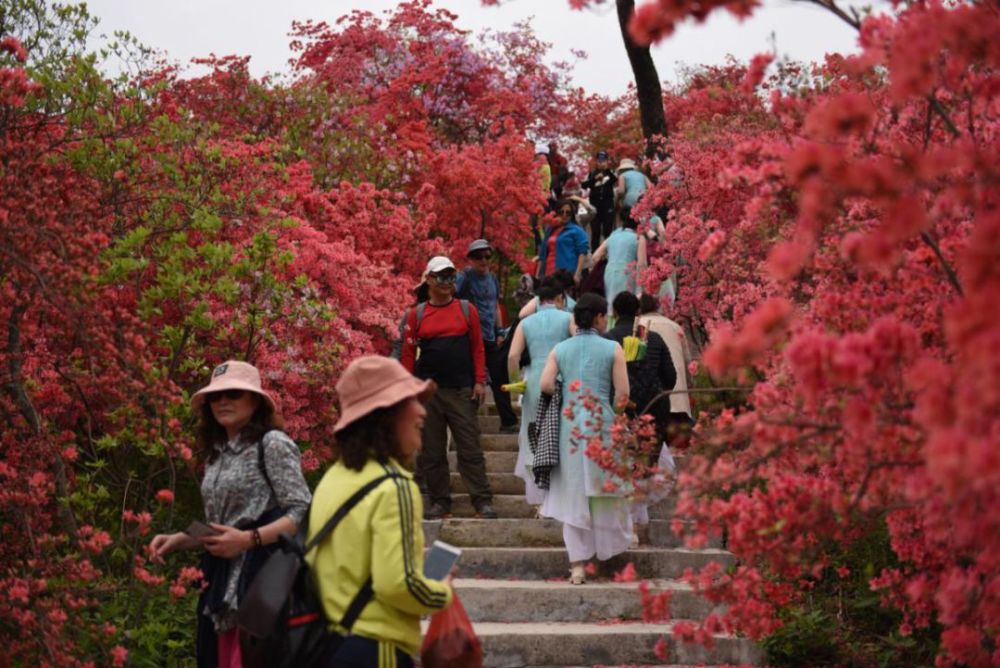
233,375
374,382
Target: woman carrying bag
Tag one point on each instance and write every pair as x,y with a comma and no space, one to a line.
595,517
253,491
380,542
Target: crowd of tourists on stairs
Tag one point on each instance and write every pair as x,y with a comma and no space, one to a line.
396,416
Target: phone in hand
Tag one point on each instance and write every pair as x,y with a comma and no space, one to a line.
440,560
198,529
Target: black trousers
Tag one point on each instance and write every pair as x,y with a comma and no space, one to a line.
601,226
358,652
496,365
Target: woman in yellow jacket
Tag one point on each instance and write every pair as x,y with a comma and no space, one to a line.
373,560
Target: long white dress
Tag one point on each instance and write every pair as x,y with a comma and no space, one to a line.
596,519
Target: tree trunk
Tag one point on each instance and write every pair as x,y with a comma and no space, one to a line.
647,81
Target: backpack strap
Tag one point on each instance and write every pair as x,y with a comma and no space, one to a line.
464,305
421,307
347,506
365,594
262,463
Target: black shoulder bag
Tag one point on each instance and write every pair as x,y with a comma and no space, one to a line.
282,610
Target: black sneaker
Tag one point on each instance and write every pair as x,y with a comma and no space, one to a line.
484,511
510,429
437,511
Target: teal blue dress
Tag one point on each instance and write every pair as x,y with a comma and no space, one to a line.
542,331
635,186
567,306
621,273
595,517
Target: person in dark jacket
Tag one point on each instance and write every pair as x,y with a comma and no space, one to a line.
650,376
601,184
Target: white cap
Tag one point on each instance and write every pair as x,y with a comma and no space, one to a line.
541,148
438,263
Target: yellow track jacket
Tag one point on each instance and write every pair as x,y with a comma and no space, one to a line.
381,537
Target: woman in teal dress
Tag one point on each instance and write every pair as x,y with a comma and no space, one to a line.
632,184
595,515
626,253
538,333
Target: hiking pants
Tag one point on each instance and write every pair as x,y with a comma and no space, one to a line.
602,224
496,364
453,408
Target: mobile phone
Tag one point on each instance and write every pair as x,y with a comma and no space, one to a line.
199,529
440,559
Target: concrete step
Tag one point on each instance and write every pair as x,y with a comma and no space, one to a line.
514,505
498,442
582,644
490,408
496,462
500,483
490,424
526,532
493,443
506,505
543,563
539,601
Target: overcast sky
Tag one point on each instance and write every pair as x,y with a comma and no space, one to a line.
191,28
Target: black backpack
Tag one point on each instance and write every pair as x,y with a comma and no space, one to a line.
282,613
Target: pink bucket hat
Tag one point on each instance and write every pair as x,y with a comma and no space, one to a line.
374,382
233,375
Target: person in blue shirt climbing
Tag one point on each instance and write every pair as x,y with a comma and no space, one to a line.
480,286
565,245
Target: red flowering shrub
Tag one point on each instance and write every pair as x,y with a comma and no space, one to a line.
153,226
836,234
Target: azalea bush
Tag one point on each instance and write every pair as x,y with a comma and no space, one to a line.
157,223
835,230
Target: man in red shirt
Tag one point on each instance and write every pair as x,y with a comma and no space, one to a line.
444,343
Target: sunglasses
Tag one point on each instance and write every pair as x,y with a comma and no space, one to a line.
481,256
232,395
445,279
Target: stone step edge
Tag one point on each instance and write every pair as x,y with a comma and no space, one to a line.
490,629
656,585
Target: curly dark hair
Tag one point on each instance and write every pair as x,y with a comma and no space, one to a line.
212,435
372,436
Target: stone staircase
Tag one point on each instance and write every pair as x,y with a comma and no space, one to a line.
514,582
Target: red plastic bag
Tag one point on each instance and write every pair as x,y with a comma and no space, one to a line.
450,641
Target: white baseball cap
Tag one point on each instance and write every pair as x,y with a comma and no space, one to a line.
438,263
541,148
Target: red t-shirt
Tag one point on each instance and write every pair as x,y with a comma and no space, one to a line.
451,347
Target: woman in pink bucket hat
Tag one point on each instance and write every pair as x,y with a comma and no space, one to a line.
253,491
375,590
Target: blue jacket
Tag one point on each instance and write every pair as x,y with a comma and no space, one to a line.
570,245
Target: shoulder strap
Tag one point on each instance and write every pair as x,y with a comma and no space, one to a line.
262,462
365,594
421,307
464,305
403,321
347,506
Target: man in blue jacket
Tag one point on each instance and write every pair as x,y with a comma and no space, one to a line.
480,286
565,245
